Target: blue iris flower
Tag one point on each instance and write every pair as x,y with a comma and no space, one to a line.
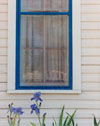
17,110
35,108
36,97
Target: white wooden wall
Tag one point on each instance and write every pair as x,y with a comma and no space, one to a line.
88,102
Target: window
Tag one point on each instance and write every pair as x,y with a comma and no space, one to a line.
44,44
41,49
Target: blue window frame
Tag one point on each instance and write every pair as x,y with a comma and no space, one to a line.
19,13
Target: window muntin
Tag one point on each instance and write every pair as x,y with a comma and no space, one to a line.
54,20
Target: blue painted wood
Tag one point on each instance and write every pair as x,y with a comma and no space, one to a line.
70,46
44,13
18,21
44,88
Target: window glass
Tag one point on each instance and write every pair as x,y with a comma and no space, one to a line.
44,49
44,5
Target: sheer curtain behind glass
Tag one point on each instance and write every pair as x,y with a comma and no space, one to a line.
44,44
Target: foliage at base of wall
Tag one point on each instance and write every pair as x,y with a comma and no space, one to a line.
15,113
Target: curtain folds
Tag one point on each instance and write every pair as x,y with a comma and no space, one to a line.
44,43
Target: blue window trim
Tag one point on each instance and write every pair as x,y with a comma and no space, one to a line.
44,13
18,24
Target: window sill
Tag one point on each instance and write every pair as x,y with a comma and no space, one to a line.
44,91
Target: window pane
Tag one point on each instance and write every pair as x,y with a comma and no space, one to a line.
44,50
31,5
31,49
44,5
56,5
57,49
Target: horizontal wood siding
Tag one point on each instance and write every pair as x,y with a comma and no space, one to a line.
88,102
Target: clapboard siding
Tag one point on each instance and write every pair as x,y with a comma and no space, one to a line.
90,25
93,43
3,17
81,114
3,43
56,103
90,60
25,122
90,96
3,8
90,17
2,2
88,102
88,2
91,8
3,25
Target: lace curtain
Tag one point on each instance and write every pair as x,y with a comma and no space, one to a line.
44,45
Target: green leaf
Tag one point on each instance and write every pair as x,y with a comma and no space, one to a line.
14,121
40,104
19,122
71,118
98,122
43,119
65,122
9,122
55,122
95,121
61,117
33,124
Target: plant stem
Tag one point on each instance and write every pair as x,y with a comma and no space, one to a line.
38,114
14,122
39,120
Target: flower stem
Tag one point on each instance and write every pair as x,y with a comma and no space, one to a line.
39,120
38,114
14,122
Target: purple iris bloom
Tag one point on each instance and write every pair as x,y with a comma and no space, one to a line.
35,108
36,96
9,105
17,110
